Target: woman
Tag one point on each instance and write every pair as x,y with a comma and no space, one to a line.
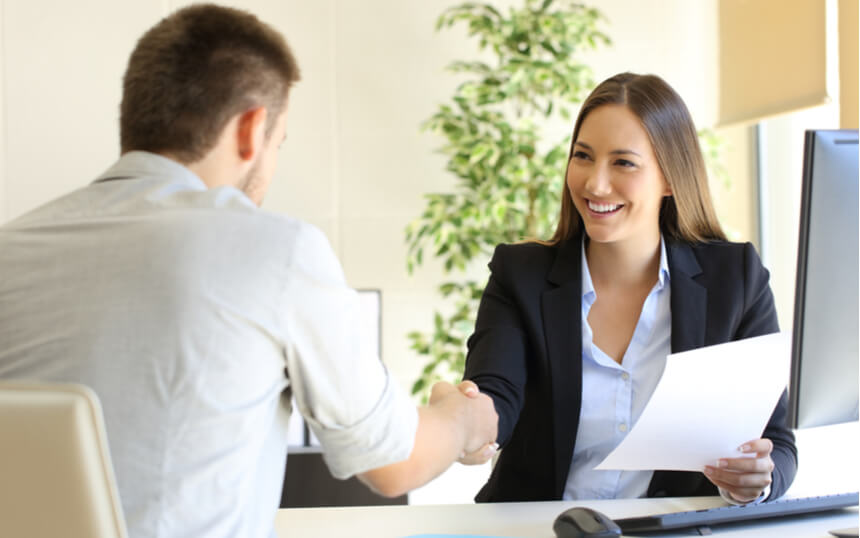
572,334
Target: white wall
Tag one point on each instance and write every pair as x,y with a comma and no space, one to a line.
3,203
782,168
62,64
674,39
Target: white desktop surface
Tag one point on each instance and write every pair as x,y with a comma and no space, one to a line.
527,520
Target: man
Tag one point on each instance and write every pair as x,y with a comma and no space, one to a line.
195,316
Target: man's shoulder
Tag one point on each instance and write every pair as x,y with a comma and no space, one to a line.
234,211
157,219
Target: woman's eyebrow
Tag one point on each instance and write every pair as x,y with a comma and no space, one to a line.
623,151
613,152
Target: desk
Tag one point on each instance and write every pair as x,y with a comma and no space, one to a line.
525,520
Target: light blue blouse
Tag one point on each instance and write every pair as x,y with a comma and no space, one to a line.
614,395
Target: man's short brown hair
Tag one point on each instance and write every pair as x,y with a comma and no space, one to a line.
193,71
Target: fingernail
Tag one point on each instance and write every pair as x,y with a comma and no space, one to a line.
462,455
744,448
709,470
495,446
471,391
722,463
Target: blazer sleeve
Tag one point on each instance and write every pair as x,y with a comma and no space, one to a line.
759,318
496,359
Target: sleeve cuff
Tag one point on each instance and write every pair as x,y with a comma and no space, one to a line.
731,500
385,436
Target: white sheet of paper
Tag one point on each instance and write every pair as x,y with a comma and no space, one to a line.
707,404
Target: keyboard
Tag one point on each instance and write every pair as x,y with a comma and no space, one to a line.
730,514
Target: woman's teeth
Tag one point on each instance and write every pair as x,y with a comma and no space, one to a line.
603,208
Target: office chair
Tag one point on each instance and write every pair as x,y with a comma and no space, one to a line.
56,477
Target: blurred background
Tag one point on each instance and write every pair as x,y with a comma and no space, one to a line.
754,73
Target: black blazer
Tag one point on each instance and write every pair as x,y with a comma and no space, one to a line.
526,354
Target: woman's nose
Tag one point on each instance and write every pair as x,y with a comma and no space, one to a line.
598,182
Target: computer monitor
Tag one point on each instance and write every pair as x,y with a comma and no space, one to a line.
824,361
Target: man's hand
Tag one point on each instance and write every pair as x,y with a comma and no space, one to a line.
475,412
453,424
744,478
486,452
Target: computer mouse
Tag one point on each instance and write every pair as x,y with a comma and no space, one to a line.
582,522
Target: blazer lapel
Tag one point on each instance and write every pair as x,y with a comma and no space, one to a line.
689,298
562,308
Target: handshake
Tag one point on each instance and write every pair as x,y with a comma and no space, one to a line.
473,413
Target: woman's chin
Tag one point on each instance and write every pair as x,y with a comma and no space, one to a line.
600,234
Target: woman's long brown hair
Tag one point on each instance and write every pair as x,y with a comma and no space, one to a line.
688,214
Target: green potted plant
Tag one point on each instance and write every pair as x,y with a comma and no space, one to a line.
509,176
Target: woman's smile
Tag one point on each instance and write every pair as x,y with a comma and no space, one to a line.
603,209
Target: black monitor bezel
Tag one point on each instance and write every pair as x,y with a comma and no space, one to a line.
800,278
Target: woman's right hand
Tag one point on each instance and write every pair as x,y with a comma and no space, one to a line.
486,452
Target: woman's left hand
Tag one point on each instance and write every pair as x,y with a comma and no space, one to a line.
744,478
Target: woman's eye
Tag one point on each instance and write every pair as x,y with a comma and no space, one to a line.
625,163
580,155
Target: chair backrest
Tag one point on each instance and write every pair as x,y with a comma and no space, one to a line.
56,477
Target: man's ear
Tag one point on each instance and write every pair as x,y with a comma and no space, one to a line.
251,133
